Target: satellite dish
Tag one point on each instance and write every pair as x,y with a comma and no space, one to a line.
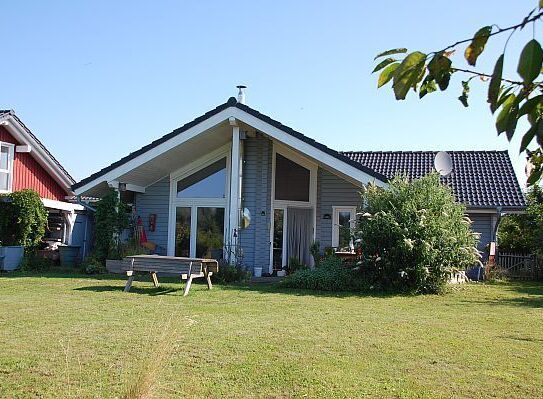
245,218
443,163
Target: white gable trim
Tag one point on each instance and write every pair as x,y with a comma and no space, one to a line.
306,148
20,134
275,133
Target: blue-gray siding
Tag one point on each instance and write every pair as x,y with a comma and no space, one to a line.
256,195
482,224
155,200
332,191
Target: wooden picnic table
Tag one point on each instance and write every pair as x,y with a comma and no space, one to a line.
187,268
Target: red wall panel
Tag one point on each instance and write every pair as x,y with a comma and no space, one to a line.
28,173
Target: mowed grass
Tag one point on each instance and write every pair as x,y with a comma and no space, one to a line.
81,337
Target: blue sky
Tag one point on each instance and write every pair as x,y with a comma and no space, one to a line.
97,80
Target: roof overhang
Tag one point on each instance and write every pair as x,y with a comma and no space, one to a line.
61,205
209,125
30,144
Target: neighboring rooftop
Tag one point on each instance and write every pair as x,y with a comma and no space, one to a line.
480,179
5,112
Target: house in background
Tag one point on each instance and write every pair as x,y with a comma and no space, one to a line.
25,163
190,186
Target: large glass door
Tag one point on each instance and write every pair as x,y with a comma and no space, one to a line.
209,232
278,239
199,232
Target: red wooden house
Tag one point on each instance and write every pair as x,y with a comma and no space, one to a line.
25,163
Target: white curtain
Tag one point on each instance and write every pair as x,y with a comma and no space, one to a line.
299,234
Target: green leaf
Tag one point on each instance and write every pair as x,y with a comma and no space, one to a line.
535,176
502,98
387,74
529,135
428,86
530,104
465,93
495,83
440,68
390,52
477,45
530,61
383,64
408,74
540,4
503,117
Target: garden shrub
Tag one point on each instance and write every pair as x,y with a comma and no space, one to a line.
294,265
33,263
524,232
230,274
23,219
92,265
331,275
111,219
412,235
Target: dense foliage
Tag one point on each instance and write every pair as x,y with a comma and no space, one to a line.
230,274
512,98
23,219
412,235
110,220
524,232
331,275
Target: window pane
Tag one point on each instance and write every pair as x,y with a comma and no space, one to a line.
182,232
344,229
278,217
210,233
3,181
291,180
209,182
4,156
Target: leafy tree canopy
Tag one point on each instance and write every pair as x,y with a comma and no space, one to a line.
510,99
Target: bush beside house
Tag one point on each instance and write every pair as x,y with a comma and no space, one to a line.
411,236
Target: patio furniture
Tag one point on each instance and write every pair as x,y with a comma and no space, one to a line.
187,268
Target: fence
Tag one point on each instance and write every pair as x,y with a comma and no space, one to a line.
525,266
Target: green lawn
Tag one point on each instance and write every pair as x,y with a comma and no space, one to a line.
81,337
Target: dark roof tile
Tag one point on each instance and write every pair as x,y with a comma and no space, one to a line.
483,179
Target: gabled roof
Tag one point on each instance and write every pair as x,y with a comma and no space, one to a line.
40,152
232,102
480,179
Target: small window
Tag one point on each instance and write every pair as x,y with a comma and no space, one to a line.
209,182
6,167
291,180
343,223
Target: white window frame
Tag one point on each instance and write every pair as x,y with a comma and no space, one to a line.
335,221
296,157
195,203
9,170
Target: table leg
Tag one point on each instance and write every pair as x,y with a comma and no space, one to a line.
207,276
187,287
155,279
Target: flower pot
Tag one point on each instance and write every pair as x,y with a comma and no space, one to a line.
69,255
257,272
10,257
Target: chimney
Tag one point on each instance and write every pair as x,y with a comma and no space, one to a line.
241,94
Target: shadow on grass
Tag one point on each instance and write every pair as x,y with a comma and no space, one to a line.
277,288
526,294
151,291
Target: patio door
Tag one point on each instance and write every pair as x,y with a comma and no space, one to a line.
292,235
199,231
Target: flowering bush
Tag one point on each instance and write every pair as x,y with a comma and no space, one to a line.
412,235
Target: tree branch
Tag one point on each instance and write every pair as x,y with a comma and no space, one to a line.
484,75
514,27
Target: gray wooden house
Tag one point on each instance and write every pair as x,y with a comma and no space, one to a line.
190,186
